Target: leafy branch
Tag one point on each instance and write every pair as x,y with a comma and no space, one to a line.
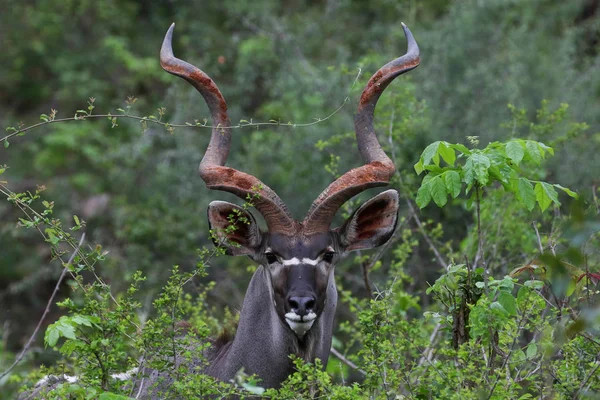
124,113
497,163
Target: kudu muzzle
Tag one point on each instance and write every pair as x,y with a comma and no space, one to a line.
301,301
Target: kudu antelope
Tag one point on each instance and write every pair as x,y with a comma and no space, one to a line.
290,303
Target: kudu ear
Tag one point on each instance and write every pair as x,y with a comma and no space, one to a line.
372,224
244,239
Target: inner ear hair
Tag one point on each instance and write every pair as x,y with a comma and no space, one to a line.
244,239
373,224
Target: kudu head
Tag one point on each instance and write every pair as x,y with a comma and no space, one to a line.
299,256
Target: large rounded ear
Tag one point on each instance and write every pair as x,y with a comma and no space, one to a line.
372,224
233,228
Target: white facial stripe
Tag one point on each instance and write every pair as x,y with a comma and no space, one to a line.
296,261
292,261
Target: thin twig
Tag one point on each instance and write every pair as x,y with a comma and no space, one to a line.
587,378
349,363
432,247
480,253
50,302
512,347
429,350
242,124
537,234
366,267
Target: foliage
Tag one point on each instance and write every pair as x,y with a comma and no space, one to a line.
513,313
497,162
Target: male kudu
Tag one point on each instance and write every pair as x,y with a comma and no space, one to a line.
290,303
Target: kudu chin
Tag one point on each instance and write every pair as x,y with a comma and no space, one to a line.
290,303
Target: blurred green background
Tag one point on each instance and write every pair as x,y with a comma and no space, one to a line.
290,61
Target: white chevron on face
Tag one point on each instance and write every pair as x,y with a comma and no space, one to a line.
296,261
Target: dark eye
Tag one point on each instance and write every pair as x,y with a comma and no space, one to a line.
328,256
271,257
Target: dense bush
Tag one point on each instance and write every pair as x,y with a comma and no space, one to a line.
489,291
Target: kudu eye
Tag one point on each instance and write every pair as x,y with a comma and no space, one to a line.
328,256
271,257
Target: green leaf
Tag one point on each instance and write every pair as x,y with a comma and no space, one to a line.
67,331
460,147
52,238
447,153
438,191
531,350
556,185
431,152
26,223
52,335
543,147
571,287
419,167
515,151
453,184
6,144
525,193
81,320
534,284
423,195
533,151
253,388
476,168
545,195
507,301
497,306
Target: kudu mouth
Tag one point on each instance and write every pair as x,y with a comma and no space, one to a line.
302,314
301,304
300,324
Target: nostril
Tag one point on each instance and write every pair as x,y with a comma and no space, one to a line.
301,305
293,303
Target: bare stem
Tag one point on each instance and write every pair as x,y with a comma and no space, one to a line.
349,363
242,124
48,305
587,378
537,234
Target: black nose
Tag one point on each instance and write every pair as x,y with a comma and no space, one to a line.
301,305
